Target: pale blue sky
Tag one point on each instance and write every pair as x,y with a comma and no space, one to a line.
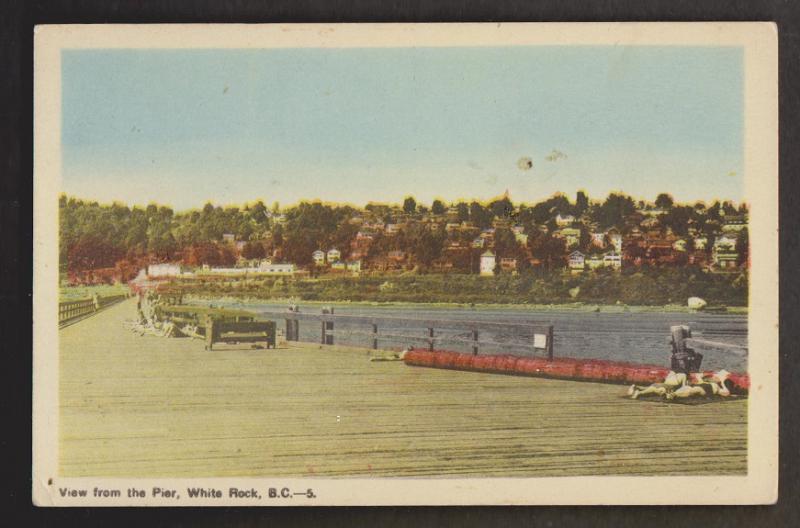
182,127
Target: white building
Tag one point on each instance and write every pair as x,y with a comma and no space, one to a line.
612,259
700,242
319,257
276,269
577,261
565,220
163,270
334,255
488,263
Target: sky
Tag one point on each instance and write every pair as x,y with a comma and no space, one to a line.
185,127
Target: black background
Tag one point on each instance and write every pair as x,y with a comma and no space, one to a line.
17,19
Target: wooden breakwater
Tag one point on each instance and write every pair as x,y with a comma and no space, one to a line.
427,332
72,311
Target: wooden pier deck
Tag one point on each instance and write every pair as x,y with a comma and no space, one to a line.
145,406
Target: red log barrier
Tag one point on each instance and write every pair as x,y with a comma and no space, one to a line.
562,368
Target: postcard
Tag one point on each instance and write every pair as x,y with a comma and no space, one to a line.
405,264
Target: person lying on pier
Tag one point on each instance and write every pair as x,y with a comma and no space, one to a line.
673,381
704,386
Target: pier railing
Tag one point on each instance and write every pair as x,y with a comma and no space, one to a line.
684,342
426,332
71,311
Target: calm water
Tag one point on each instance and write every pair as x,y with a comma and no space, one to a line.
640,337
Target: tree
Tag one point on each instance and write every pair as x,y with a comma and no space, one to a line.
438,208
502,208
664,201
409,205
462,211
549,250
253,250
479,215
581,203
506,245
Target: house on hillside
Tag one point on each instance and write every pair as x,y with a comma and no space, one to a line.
577,261
700,242
733,223
564,220
318,257
724,254
228,238
392,229
488,263
334,255
612,259
508,264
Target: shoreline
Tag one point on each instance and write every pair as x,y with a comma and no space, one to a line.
564,307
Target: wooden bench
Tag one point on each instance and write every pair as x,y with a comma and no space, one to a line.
224,331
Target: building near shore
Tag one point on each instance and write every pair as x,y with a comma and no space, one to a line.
164,270
488,263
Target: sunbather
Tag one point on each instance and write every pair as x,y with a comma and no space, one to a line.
672,382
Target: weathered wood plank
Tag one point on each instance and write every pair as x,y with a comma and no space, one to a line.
144,406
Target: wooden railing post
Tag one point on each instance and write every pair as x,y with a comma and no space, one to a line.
430,339
374,336
210,331
327,326
550,342
474,342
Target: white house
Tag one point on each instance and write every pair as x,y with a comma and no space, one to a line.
724,252
564,220
319,257
612,259
700,242
334,255
488,263
276,269
163,270
577,261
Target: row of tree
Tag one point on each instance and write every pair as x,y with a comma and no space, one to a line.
97,236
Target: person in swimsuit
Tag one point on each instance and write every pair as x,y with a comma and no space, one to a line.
671,383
